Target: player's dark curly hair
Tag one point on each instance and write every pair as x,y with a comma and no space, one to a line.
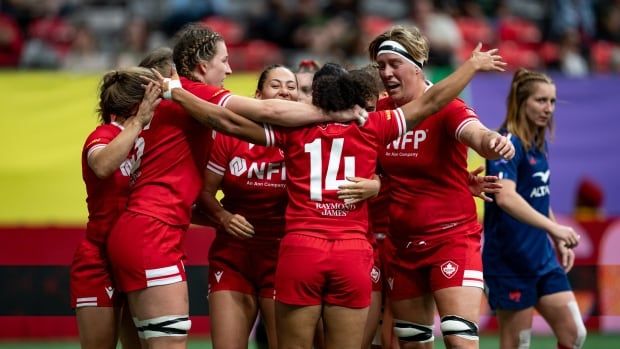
333,89
368,85
194,42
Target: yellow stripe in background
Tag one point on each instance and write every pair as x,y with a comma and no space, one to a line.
45,118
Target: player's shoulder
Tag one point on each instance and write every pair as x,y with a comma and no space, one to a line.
385,103
458,105
102,134
203,90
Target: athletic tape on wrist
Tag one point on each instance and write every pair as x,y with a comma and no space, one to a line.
172,84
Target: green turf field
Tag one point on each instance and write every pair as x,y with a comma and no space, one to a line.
594,341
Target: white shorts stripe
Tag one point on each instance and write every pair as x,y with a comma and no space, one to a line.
86,299
473,283
472,274
160,272
457,133
164,281
86,304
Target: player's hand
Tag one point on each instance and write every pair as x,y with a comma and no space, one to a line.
150,101
502,146
479,186
356,113
487,60
237,226
358,189
166,84
565,235
566,256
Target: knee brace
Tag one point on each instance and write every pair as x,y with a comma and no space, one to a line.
525,337
581,328
411,332
163,326
453,325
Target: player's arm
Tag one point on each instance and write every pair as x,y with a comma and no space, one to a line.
219,118
105,160
449,88
515,205
234,224
285,113
489,144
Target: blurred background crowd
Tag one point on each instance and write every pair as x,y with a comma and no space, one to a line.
576,37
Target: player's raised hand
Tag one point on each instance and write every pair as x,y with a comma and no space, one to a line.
487,60
150,101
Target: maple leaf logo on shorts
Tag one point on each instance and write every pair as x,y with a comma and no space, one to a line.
449,268
375,274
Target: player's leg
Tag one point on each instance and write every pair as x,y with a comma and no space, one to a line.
233,304
295,325
515,328
373,319
161,315
559,308
268,316
459,309
97,327
513,298
344,326
127,331
93,296
457,283
146,259
413,321
410,299
299,283
232,316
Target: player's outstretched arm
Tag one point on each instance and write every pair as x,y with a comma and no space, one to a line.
489,144
449,88
219,118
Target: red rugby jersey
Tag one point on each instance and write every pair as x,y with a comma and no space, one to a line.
318,158
254,182
172,153
105,198
427,171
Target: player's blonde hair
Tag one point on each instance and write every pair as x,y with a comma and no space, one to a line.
194,42
516,122
121,92
410,37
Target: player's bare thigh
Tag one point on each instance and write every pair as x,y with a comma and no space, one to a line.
232,315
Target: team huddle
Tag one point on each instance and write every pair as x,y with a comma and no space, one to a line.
345,192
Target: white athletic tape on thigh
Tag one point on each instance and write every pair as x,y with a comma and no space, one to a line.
525,337
411,332
163,326
581,328
454,325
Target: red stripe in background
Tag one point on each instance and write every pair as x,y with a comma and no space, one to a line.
56,245
45,327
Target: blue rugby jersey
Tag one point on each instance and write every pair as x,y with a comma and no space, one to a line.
510,246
